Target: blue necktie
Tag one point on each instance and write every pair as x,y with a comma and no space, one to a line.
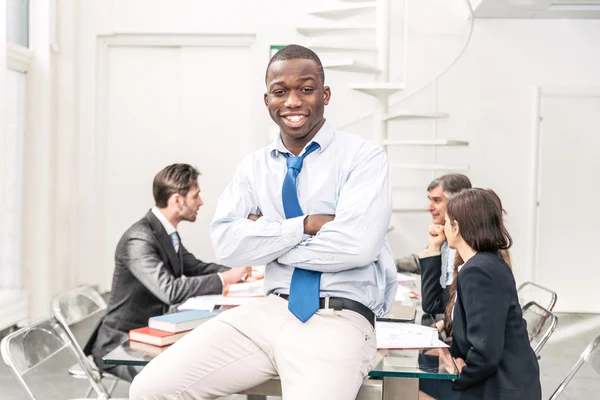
175,241
305,287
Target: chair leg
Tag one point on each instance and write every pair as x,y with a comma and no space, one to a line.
88,391
112,387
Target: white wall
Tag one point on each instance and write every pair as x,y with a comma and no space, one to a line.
489,94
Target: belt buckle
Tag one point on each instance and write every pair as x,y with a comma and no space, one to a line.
335,304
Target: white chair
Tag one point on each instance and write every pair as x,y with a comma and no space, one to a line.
541,323
39,355
80,311
590,355
529,291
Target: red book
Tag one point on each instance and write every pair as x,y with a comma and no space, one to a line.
154,336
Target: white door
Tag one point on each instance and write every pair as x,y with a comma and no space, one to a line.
166,105
569,201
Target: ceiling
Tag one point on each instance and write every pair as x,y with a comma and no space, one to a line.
541,9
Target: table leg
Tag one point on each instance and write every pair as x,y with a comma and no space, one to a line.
400,388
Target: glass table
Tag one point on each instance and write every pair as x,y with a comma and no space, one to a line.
395,376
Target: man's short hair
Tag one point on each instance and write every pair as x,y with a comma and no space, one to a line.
296,52
451,184
176,178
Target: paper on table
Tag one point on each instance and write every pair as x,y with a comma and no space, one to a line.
404,294
246,289
398,335
210,301
405,278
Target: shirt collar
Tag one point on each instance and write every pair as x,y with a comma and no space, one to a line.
323,137
164,221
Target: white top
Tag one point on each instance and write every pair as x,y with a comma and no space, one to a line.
347,176
170,229
456,294
164,221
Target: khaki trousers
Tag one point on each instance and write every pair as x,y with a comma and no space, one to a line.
325,358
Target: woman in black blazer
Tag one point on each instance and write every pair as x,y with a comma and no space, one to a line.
490,342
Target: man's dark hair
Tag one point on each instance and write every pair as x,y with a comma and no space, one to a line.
451,184
296,52
176,178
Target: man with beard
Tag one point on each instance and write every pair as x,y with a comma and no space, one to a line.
153,270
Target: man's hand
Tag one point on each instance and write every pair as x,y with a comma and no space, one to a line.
436,237
235,275
314,223
254,217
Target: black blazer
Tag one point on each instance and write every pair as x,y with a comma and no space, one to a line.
490,334
434,297
149,276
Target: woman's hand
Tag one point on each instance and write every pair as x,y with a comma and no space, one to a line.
436,237
460,364
440,325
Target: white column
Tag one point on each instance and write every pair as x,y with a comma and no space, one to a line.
38,205
2,111
383,61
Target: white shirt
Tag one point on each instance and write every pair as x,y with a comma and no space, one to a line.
347,176
164,221
170,229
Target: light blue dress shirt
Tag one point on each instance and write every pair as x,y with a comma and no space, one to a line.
349,177
448,256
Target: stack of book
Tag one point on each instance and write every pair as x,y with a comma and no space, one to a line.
164,330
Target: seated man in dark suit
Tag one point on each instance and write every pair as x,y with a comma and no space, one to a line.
153,270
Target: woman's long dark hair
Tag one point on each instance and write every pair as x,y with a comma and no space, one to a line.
479,215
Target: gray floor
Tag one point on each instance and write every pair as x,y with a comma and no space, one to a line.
574,332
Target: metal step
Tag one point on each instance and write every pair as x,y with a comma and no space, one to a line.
400,210
351,66
338,47
377,89
346,11
415,115
437,142
432,167
324,30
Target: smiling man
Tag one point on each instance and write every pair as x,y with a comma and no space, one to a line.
153,270
314,206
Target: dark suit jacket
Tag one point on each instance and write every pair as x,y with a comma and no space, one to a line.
490,334
149,276
434,297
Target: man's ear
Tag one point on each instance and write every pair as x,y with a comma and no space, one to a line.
266,99
326,95
174,199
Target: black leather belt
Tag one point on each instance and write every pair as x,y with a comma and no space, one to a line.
340,303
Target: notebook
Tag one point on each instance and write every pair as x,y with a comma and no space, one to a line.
147,348
155,337
180,321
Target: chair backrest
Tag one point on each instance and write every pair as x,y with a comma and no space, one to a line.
590,355
79,312
39,356
540,325
529,291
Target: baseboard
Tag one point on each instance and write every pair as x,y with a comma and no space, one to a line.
14,306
